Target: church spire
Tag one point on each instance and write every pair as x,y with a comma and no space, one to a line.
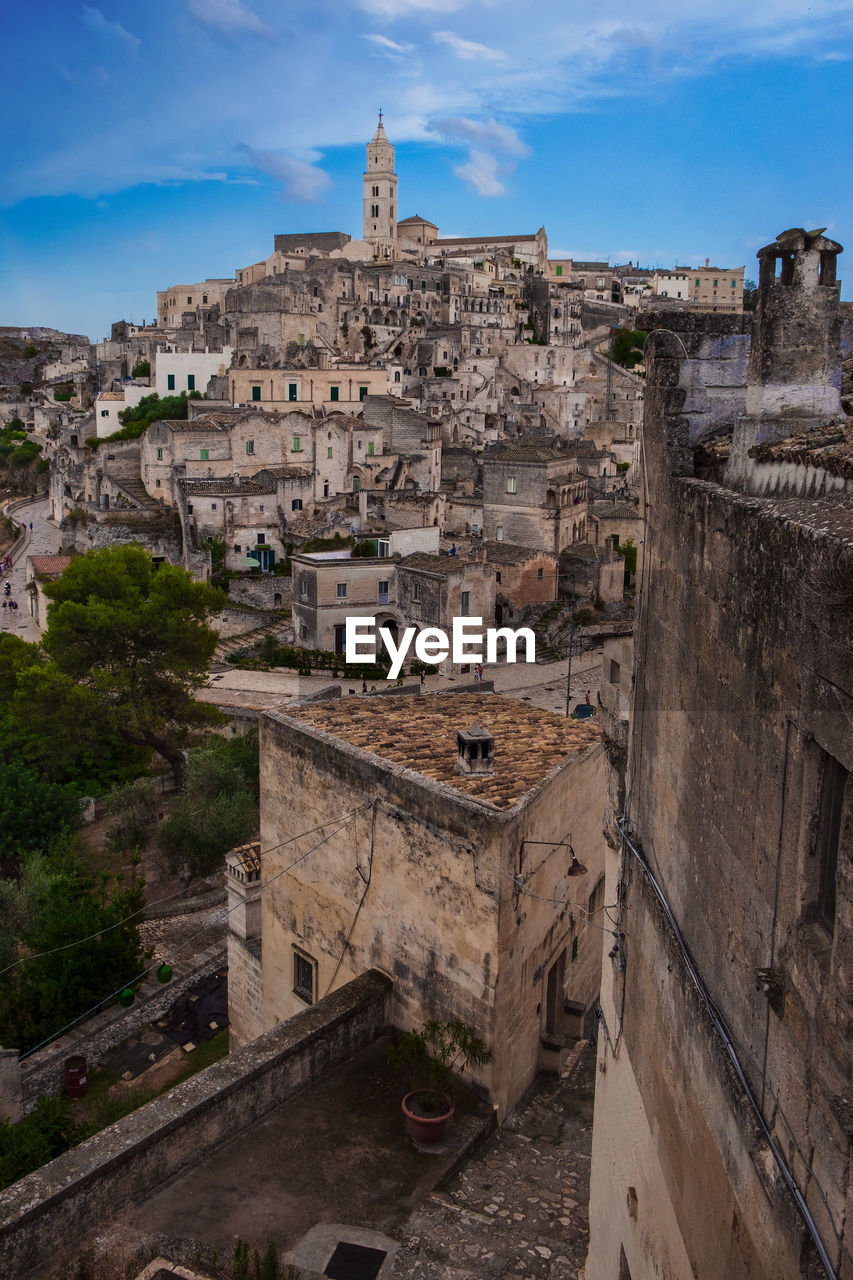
380,188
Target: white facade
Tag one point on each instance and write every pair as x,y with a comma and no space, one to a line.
672,284
109,404
177,371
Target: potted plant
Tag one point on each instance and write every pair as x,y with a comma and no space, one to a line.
430,1055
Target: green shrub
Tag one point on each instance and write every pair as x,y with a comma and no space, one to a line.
141,370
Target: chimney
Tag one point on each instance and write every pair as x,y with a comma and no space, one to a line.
475,752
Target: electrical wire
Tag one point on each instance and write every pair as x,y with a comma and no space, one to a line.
728,1044
192,938
561,904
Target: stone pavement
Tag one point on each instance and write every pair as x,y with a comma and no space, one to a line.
45,540
519,1207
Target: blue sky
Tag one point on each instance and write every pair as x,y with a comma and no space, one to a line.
156,144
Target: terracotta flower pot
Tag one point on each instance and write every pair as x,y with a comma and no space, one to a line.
426,1127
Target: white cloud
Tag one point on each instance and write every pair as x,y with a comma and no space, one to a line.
489,134
301,181
468,50
95,22
393,45
405,8
228,16
481,172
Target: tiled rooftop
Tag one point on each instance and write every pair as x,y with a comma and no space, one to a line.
226,485
829,447
419,733
249,856
508,553
615,510
43,565
428,563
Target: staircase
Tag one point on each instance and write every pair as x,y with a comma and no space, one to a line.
248,639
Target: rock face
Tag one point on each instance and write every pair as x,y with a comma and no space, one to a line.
19,364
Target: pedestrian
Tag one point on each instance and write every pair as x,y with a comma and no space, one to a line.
423,677
364,686
588,703
31,526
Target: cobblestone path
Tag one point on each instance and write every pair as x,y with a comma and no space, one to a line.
519,1208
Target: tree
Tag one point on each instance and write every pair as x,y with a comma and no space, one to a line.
628,551
629,347
750,295
219,808
141,370
43,993
134,636
32,811
51,724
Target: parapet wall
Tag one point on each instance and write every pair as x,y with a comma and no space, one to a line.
52,1210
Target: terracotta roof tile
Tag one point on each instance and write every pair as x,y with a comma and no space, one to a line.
43,565
419,733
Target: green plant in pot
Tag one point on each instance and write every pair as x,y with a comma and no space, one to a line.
430,1057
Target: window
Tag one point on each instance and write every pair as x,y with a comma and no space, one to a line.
827,838
256,393
190,382
159,455
540,573
334,393
237,548
716,282
296,504
304,973
614,671
356,484
105,413
511,484
362,393
697,284
261,508
296,446
465,607
204,297
416,592
383,591
204,455
341,591
170,382
250,447
498,577
499,533
370,448
303,632
213,506
291,391
303,588
157,484
559,271
329,452
261,539
325,488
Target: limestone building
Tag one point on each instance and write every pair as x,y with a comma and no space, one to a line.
453,841
722,1134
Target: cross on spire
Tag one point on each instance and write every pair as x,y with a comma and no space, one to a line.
380,115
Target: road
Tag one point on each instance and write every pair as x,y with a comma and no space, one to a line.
44,540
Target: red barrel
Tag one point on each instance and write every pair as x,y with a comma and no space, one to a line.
76,1076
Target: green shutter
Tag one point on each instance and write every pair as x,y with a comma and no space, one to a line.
291,391
256,393
362,393
190,382
170,382
204,455
333,393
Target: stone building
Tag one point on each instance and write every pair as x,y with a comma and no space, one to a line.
533,495
41,569
722,1135
469,877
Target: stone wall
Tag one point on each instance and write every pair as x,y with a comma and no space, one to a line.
52,1210
271,591
245,990
744,690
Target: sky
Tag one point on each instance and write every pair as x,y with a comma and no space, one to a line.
146,145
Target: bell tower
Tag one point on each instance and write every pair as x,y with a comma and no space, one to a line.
380,189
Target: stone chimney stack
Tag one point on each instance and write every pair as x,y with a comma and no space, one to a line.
794,375
475,752
243,882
